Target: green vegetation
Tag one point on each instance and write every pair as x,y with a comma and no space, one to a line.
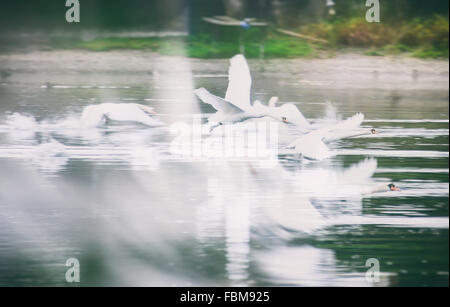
423,38
202,46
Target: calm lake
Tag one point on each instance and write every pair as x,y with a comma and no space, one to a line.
118,199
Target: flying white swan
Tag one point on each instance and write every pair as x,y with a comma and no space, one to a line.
227,112
296,212
312,145
286,113
238,94
357,180
96,115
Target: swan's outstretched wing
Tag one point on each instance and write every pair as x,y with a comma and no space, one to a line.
350,123
311,146
343,134
92,116
293,115
239,82
344,129
273,101
359,172
221,105
146,109
96,115
300,215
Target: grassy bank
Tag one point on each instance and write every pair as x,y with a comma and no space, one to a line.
424,38
202,46
418,38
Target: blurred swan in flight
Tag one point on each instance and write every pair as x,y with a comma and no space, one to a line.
355,182
286,113
312,145
227,112
97,115
238,95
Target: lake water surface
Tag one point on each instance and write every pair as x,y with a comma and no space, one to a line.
133,212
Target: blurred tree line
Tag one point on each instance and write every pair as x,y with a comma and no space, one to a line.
163,14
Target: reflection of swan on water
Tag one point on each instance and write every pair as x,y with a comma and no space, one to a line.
309,266
313,146
96,115
236,105
144,158
50,156
302,266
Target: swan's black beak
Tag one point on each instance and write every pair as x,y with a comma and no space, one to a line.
373,131
284,119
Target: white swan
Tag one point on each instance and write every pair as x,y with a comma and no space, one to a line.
287,113
238,94
353,181
313,146
227,112
296,212
96,115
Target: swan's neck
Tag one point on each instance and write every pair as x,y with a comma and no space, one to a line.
380,188
273,102
360,133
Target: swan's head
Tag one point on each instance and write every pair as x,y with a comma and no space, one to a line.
392,187
289,114
373,131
